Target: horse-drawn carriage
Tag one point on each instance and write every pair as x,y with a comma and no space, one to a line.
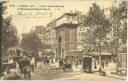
65,65
87,64
9,71
25,68
9,65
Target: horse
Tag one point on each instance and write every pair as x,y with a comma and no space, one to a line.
67,66
27,72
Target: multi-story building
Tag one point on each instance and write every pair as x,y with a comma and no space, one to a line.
50,35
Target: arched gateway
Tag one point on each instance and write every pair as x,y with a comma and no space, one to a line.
66,34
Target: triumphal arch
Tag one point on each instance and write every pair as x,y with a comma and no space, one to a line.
66,34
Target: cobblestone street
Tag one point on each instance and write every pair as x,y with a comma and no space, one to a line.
52,72
47,72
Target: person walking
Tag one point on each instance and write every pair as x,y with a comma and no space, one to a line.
103,64
95,67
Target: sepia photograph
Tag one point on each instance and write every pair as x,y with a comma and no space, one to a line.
63,40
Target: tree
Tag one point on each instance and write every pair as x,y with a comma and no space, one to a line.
9,34
88,39
40,32
119,26
30,41
9,31
99,27
123,11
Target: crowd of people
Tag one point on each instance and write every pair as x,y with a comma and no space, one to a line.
18,66
21,65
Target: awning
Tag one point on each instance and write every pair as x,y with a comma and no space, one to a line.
73,53
97,54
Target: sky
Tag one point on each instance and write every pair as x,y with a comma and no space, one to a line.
25,24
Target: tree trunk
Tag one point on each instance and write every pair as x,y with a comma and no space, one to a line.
117,57
116,64
117,44
100,60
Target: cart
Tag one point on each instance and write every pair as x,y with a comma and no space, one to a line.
87,64
25,68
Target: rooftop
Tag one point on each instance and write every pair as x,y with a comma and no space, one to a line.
68,14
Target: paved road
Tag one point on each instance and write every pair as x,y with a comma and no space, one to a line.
46,72
50,73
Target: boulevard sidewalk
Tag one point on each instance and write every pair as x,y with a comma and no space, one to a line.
110,70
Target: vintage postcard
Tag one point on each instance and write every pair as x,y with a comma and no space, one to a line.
63,40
